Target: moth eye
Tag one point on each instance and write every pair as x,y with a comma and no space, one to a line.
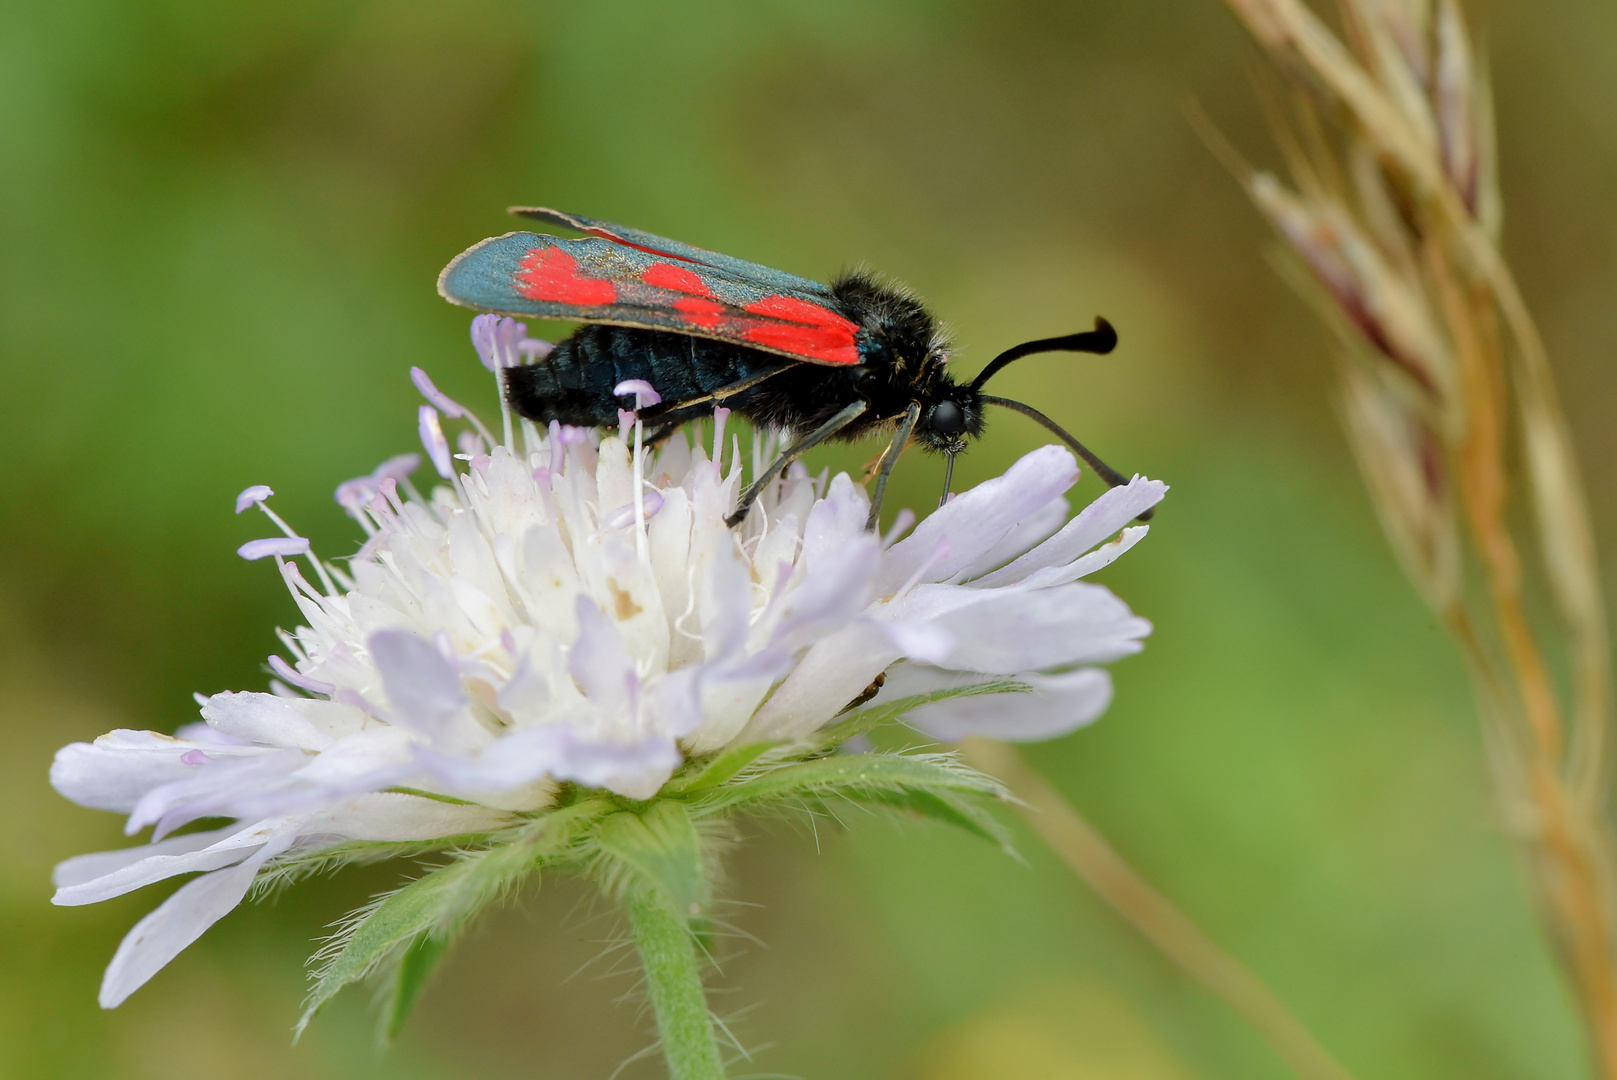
947,419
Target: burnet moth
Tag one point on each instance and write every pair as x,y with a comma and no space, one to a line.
817,362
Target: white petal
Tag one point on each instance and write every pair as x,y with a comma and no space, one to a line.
83,868
836,520
724,604
393,816
178,921
975,521
1057,705
121,767
227,851
263,718
1114,509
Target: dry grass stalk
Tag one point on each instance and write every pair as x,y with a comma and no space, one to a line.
1085,851
1397,214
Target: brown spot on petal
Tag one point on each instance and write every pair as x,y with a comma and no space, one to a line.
623,605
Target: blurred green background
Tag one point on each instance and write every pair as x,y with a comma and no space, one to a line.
220,224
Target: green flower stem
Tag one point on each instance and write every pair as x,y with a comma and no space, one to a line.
674,982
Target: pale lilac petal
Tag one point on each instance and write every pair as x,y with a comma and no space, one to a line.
535,348
921,641
1114,509
636,770
252,496
598,662
423,382
423,687
432,438
673,704
832,593
1031,530
1004,632
83,868
372,760
725,605
832,673
178,921
1057,705
285,546
213,789
976,521
1102,556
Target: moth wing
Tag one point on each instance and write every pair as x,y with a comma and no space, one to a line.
599,279
737,269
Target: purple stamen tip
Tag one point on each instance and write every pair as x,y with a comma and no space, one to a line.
643,392
285,546
623,516
397,468
423,382
432,438
194,757
297,678
483,338
252,496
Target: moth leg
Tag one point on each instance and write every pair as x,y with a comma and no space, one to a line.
652,412
889,458
813,439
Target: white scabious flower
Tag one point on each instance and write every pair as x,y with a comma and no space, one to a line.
566,612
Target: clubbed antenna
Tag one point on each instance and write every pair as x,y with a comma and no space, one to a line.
1102,339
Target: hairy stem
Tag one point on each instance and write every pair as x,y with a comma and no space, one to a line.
674,984
1086,852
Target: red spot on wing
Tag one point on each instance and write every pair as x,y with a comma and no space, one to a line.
801,311
669,276
811,331
549,273
828,346
699,312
